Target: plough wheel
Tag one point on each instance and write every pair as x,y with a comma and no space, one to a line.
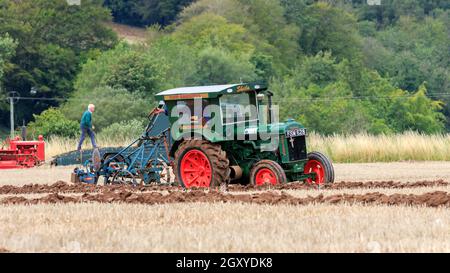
166,176
201,164
116,163
319,164
124,177
267,172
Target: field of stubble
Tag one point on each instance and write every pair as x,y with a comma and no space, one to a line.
406,209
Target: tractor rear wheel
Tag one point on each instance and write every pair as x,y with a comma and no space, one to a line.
322,166
267,172
201,164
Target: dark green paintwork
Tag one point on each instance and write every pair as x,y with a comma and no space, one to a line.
243,153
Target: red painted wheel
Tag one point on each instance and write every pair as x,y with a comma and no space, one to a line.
265,176
267,172
201,164
321,166
314,166
195,169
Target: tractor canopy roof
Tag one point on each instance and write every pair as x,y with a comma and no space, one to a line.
212,91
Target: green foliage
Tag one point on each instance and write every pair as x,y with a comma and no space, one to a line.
177,59
215,66
53,38
391,10
210,30
413,52
320,94
266,27
122,67
326,28
320,70
7,47
112,106
145,12
416,113
129,129
337,66
7,50
52,122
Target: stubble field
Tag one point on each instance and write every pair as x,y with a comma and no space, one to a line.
406,209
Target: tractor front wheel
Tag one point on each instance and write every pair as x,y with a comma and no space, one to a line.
321,166
267,172
201,164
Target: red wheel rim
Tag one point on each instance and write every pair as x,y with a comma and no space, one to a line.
314,166
195,169
265,176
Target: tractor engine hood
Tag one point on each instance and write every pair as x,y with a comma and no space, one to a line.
290,128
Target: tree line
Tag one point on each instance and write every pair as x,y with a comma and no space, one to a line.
336,66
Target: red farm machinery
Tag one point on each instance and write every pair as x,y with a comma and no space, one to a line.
20,154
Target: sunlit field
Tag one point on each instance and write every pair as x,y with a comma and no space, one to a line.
360,148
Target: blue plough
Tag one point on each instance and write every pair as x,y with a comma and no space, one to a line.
146,160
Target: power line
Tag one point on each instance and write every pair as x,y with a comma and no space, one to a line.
282,99
56,99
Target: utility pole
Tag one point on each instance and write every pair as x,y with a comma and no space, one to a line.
11,116
13,97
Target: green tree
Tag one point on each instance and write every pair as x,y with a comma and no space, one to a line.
52,122
53,39
326,28
177,59
416,113
391,10
215,66
7,48
112,106
122,67
321,94
124,130
210,30
146,12
267,29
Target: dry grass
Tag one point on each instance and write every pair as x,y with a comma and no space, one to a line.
387,191
383,148
223,228
39,175
206,227
398,171
58,145
343,149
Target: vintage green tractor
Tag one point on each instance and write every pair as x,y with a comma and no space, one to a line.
227,133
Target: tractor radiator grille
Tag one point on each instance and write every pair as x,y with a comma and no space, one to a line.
297,148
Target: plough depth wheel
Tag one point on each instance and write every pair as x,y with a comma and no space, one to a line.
124,177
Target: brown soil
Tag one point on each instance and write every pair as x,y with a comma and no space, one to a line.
432,199
63,187
345,185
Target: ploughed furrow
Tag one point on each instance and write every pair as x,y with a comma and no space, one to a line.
344,185
432,199
63,187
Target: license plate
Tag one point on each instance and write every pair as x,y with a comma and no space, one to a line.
296,132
